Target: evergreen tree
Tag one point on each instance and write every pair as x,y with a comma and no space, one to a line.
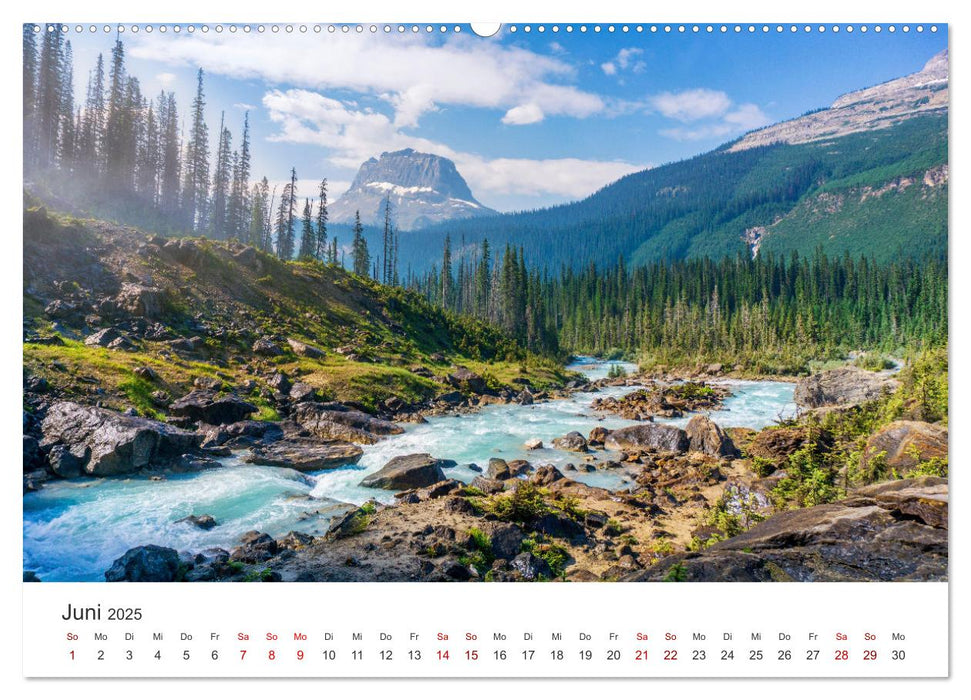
49,97
308,237
446,279
284,219
221,181
360,257
195,166
170,165
30,68
321,252
238,222
259,225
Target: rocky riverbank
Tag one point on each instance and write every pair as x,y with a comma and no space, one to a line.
705,504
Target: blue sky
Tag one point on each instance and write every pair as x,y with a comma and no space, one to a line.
531,119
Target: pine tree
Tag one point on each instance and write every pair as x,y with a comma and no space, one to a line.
221,181
284,219
387,242
360,257
30,67
447,280
321,252
149,159
195,183
238,207
117,124
259,224
308,237
67,143
49,96
170,151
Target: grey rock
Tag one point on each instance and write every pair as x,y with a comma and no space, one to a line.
846,386
408,472
149,563
305,455
658,437
114,443
704,435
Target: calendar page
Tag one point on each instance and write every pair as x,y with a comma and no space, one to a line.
547,349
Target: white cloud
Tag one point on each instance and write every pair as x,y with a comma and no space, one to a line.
626,59
166,79
744,118
524,114
414,74
244,107
353,135
691,105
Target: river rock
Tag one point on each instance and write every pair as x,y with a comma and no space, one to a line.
656,437
704,435
846,386
498,470
906,443
149,563
206,407
66,461
114,443
203,522
244,432
598,436
304,455
408,472
351,523
533,444
572,442
304,350
255,547
33,457
893,531
336,422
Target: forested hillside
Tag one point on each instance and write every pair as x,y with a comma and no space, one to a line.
844,194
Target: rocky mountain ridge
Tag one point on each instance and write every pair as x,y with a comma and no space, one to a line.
423,189
875,107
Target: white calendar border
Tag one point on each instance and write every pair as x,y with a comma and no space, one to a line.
510,10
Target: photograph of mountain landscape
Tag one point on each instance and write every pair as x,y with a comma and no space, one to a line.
405,303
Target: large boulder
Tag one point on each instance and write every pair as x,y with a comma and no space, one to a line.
774,445
305,455
846,386
704,435
645,437
408,472
111,442
140,300
207,407
333,421
906,443
571,442
893,531
149,563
